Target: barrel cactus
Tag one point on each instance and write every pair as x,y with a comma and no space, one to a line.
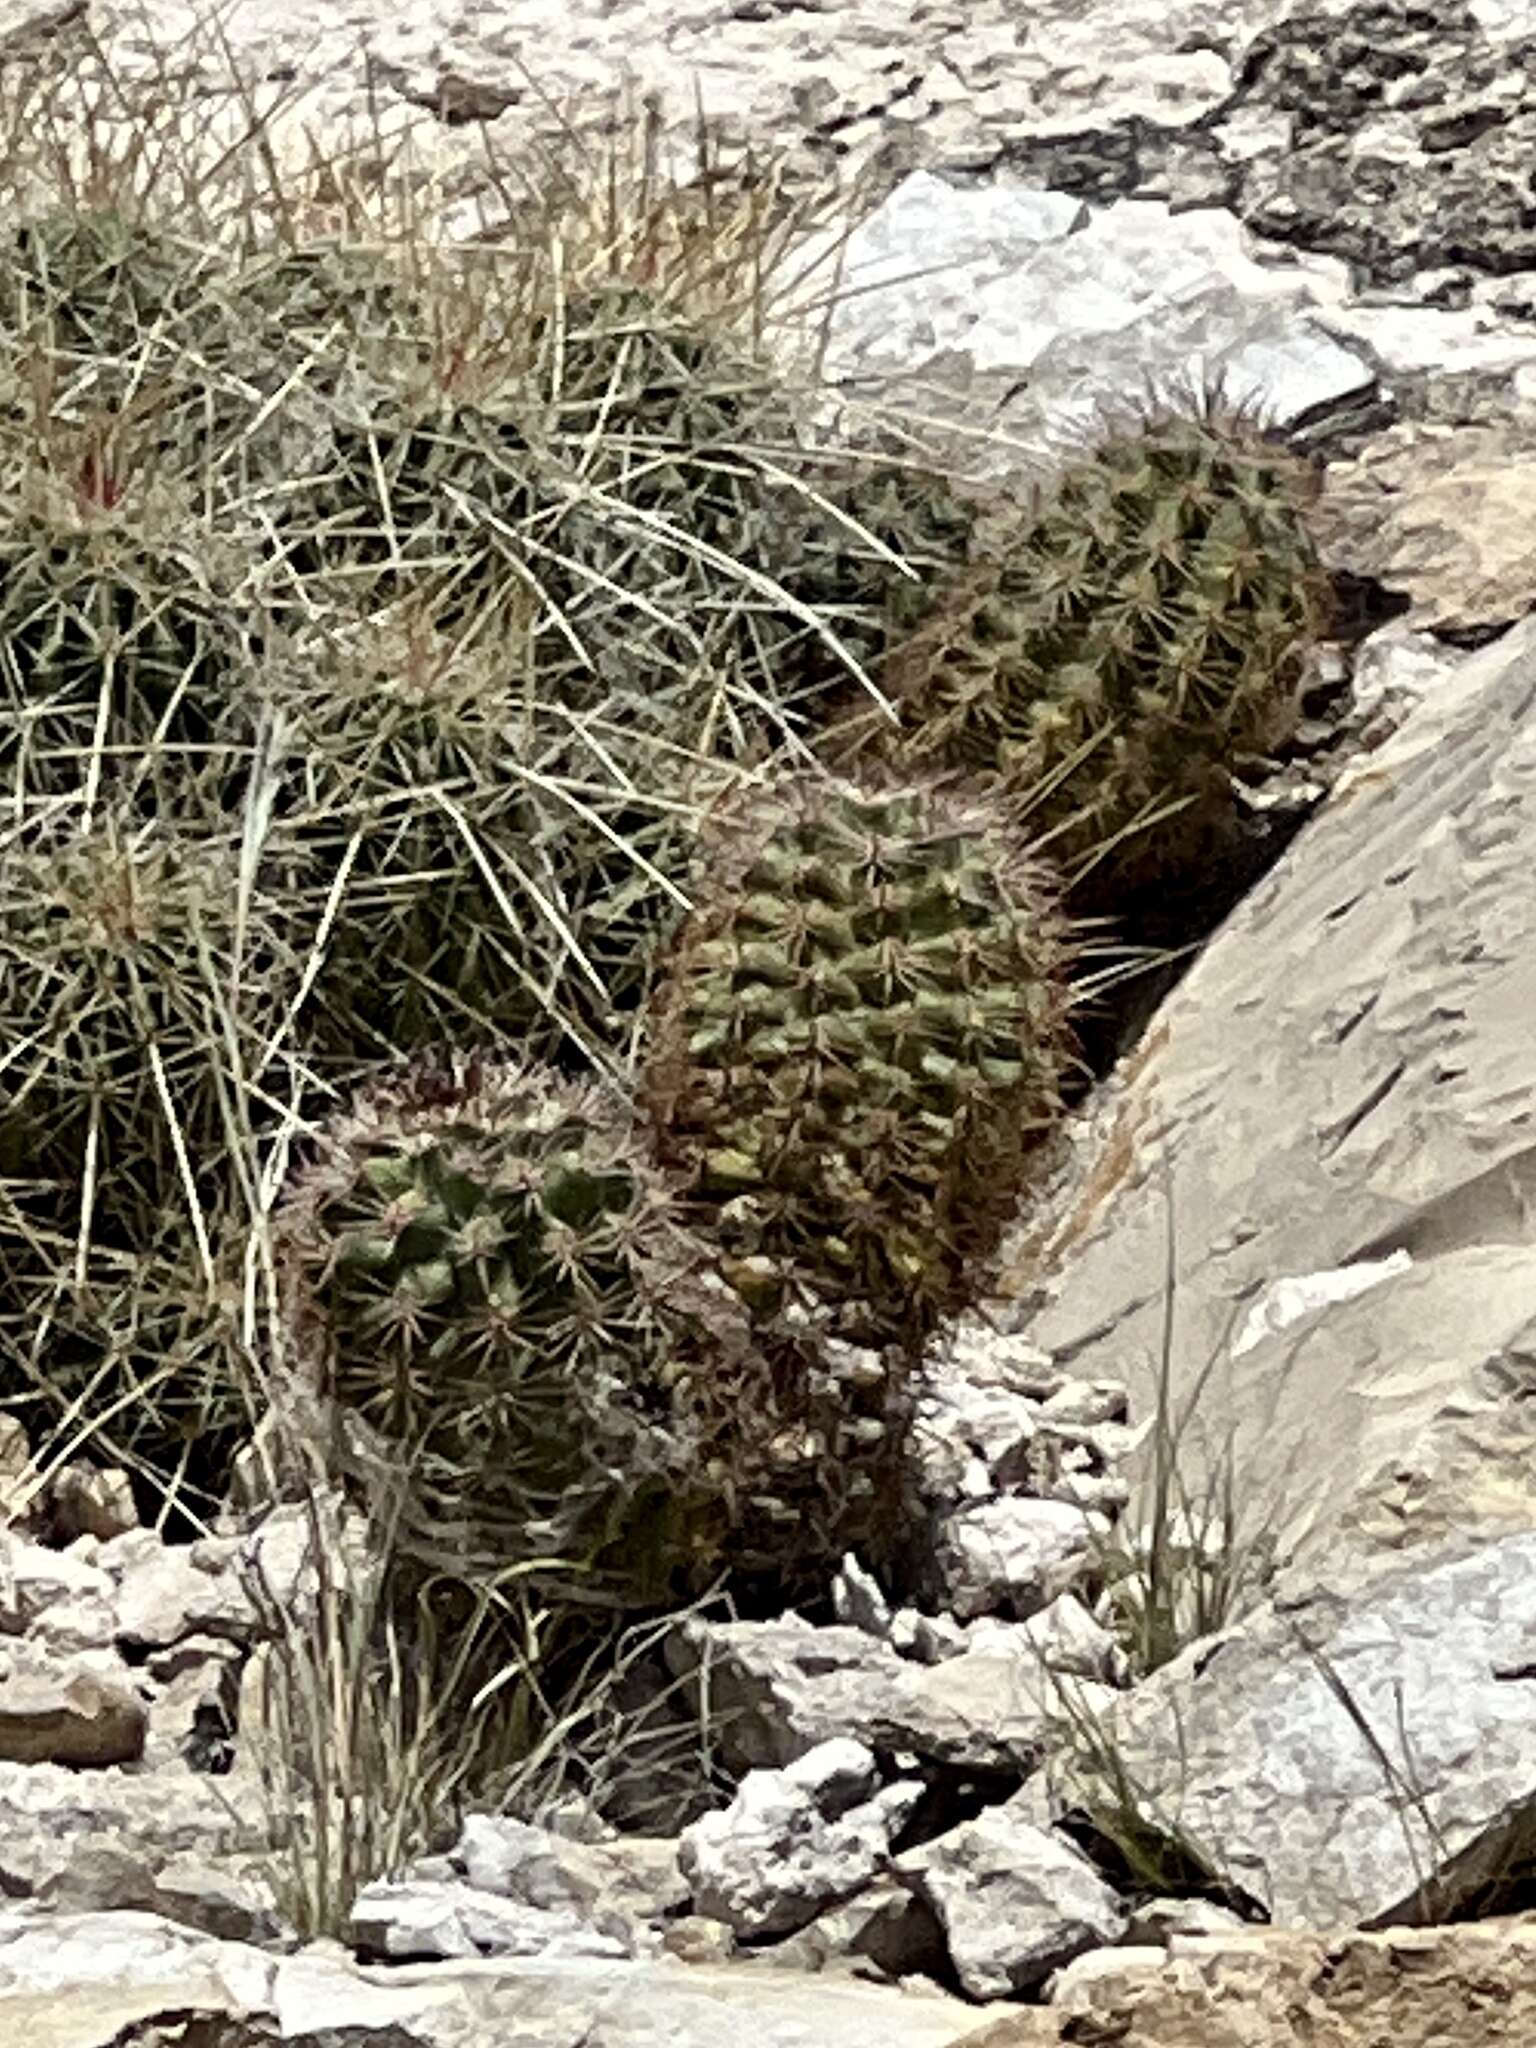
864,1026
489,1277
901,535
1141,633
125,624
100,277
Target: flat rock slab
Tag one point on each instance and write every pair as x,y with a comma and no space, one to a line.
1360,1751
102,1981
1443,516
1332,1123
1439,1987
782,1687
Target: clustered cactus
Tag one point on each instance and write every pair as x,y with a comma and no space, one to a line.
1141,631
491,1274
416,698
863,1027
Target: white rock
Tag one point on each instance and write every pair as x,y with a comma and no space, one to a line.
418,1919
920,269
19,1480
1067,1639
1160,1920
1015,1901
927,1638
1087,1403
1089,307
33,1579
790,1842
838,1775
633,1877
168,1595
858,1600
80,1709
1012,1556
782,1687
1103,1974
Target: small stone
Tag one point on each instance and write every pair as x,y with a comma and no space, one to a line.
1016,1901
33,1579
789,1843
927,1638
134,1547
1013,1556
1100,1493
1160,1920
838,1775
1069,1640
884,1925
19,1482
67,1710
693,1939
1103,1975
89,1500
169,1595
635,1877
1087,1402
419,1920
858,1600
233,1905
85,1622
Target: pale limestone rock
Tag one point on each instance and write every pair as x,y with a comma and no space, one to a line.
67,1709
796,1840
418,1919
1012,1556
1016,1902
1363,1749
782,1687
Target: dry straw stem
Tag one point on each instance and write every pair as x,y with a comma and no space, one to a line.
1198,1548
1196,1551
378,1722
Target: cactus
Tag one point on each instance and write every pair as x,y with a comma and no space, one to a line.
907,510
97,277
488,1275
1142,632
122,635
864,1023
136,1010
119,945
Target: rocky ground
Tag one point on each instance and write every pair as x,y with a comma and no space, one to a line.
960,1821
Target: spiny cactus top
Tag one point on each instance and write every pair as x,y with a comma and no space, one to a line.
489,1275
1141,633
865,1023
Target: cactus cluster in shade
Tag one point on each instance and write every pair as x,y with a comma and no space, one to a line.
864,1026
1140,633
489,1275
377,626
488,1271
